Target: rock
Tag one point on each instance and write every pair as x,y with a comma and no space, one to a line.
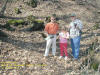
98,11
96,57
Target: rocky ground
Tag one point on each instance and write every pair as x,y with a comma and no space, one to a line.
23,51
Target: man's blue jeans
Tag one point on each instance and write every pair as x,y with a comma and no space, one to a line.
75,45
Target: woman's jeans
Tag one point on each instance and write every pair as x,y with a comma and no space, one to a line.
75,44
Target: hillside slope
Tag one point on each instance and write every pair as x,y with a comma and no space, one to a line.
26,49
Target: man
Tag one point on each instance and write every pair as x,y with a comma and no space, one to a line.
75,35
51,29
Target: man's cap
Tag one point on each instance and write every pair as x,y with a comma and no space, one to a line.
73,15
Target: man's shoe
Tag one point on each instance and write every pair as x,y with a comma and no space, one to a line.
45,56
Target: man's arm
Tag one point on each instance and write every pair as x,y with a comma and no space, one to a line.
80,25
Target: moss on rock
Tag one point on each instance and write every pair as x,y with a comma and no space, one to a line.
17,11
32,3
16,22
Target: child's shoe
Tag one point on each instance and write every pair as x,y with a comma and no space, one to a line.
66,57
60,57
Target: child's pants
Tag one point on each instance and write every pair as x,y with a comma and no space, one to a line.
48,44
63,48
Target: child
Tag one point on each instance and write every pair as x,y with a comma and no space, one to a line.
63,36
